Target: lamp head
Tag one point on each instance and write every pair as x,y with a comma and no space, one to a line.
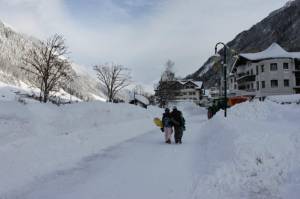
216,50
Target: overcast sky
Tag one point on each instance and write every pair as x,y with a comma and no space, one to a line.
140,34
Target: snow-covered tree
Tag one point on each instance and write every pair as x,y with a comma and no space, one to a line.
164,89
48,64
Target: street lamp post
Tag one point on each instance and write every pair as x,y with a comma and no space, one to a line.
224,73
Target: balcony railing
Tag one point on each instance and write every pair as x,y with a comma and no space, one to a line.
246,78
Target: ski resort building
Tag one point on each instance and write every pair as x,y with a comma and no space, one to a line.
271,72
139,100
179,90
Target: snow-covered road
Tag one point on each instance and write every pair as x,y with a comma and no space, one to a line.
143,167
253,153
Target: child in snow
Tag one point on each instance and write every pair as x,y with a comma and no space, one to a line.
167,125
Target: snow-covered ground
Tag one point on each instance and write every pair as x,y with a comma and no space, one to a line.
256,150
9,93
285,99
37,139
100,150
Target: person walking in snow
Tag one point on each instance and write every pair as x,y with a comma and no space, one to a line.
179,124
167,125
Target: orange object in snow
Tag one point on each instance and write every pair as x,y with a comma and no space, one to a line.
237,100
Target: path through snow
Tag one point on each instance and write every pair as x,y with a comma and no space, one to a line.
143,167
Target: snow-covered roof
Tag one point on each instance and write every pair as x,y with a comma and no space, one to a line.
140,98
182,82
198,83
274,51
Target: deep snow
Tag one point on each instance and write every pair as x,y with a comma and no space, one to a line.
99,150
37,139
257,148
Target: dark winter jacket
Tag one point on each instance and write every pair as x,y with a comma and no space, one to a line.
177,119
167,120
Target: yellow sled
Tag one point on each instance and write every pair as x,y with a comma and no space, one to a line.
158,122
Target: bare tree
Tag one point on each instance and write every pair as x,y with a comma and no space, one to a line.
47,63
113,78
139,90
168,74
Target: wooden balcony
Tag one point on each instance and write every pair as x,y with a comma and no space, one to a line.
246,78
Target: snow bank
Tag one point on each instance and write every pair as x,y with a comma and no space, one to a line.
9,92
189,108
38,139
285,99
256,152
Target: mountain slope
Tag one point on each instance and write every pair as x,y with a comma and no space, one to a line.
281,26
13,46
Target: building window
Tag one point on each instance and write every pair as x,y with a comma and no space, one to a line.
274,83
251,72
273,66
252,86
297,81
257,86
285,66
262,67
263,84
286,83
257,70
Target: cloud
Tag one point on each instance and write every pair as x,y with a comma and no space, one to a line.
140,34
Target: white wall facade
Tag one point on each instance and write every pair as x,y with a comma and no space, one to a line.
189,94
255,78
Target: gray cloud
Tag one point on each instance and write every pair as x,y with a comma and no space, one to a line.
140,38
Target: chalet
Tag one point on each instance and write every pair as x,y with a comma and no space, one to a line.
180,90
139,100
271,72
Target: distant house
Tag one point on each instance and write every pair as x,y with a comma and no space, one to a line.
139,100
180,90
271,72
214,93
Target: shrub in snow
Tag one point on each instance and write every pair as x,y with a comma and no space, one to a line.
21,100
